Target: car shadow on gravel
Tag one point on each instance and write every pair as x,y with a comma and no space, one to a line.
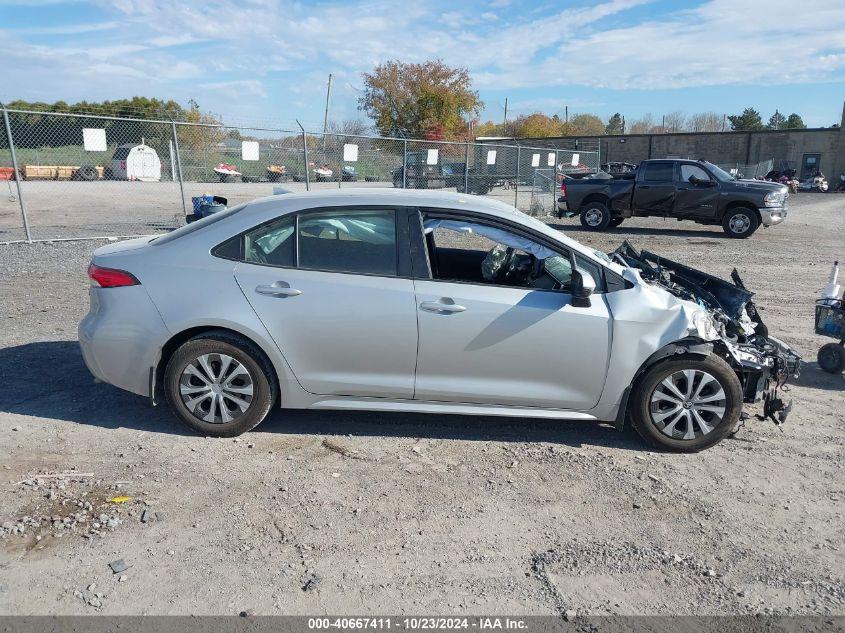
49,380
650,232
816,378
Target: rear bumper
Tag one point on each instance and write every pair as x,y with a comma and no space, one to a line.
771,216
121,337
562,205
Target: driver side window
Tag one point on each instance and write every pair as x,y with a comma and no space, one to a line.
473,252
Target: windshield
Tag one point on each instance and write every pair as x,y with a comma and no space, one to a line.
195,226
717,171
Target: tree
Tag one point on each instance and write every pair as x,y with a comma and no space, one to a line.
643,125
614,125
749,120
538,125
777,121
705,122
416,100
794,122
675,121
584,125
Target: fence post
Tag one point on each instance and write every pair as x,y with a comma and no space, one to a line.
516,184
404,163
305,156
466,168
17,174
178,167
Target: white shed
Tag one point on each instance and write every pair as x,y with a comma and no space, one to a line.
135,162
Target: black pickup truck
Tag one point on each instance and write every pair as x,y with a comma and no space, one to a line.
693,190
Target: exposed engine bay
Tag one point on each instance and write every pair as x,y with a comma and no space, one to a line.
730,320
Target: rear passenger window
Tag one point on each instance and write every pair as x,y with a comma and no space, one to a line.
659,172
350,241
271,243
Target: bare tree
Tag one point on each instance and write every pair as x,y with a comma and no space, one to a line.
643,125
674,121
705,122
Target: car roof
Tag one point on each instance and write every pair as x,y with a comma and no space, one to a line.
270,206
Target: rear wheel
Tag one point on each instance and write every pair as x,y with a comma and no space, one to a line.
831,358
740,222
219,384
595,216
686,403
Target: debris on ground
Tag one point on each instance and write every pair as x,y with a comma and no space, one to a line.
118,566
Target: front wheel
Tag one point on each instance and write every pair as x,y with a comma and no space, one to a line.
831,358
740,222
686,403
595,216
616,222
219,384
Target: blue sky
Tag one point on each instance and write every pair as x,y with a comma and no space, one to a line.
267,61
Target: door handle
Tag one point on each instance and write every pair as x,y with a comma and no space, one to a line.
437,306
644,186
277,289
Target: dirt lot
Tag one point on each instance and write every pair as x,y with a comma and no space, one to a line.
360,513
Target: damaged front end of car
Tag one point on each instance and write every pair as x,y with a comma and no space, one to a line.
729,320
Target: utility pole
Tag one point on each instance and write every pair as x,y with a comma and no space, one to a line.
663,125
724,120
326,115
566,119
505,120
623,124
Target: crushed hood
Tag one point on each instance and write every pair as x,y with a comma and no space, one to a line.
729,302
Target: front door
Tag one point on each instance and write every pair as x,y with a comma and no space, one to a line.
654,191
486,338
326,287
696,193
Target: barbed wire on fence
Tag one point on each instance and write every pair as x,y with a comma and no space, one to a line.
93,175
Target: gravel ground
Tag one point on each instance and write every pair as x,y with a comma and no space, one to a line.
372,513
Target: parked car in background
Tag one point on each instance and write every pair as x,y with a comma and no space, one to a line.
698,191
420,175
412,301
134,161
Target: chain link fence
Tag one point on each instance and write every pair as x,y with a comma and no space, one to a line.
77,176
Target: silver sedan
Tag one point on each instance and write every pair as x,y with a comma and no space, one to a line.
386,300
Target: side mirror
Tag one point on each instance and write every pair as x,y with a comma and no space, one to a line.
583,285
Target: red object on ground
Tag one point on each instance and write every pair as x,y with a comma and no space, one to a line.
7,173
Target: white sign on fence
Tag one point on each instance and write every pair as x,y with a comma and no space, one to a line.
94,139
550,159
491,157
431,158
575,159
535,160
249,150
350,153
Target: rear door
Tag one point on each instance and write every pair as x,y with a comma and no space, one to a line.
654,192
327,286
696,193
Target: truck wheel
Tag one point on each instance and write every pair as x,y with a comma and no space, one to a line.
831,358
740,222
595,216
686,403
616,221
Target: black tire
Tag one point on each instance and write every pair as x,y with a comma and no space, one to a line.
640,405
86,173
614,222
595,216
740,222
251,358
831,358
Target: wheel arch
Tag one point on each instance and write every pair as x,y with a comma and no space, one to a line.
596,197
687,346
175,341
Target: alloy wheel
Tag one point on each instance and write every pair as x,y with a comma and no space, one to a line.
216,388
739,223
688,404
593,217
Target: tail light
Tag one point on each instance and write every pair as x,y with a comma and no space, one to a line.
123,164
563,188
111,277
